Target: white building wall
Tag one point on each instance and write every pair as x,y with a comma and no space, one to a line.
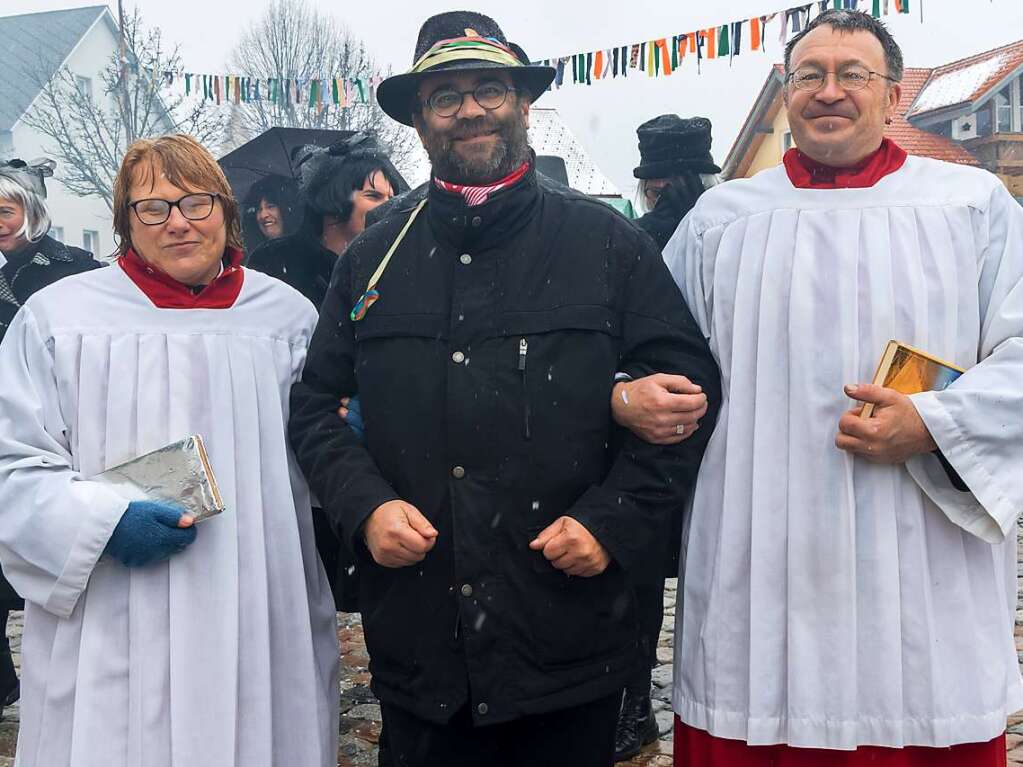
72,214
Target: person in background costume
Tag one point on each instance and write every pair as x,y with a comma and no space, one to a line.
271,209
339,185
675,169
30,259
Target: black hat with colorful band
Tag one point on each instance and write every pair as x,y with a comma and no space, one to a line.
459,40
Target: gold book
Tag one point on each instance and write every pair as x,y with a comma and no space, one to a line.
911,371
179,473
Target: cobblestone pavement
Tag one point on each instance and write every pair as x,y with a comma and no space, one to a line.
360,714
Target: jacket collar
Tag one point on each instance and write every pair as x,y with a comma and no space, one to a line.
42,252
805,173
167,293
485,225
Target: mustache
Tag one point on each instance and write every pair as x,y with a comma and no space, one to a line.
478,126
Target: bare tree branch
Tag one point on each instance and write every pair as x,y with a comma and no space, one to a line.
293,40
89,132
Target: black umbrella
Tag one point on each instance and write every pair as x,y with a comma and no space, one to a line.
270,154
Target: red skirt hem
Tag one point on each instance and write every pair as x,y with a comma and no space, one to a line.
697,748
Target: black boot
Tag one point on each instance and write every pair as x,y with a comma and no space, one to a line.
10,687
384,758
636,728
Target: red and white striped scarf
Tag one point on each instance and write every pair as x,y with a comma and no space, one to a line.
477,195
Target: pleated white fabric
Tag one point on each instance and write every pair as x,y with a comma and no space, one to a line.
225,656
826,601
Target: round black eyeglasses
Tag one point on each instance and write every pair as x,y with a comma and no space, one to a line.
446,102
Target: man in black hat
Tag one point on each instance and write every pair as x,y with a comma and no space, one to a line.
675,168
497,510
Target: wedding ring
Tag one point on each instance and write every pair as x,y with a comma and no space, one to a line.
680,429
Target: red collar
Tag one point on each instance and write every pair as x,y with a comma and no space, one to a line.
477,195
167,293
805,173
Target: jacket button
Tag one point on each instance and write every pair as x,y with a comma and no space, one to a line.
466,590
482,708
458,472
476,220
465,258
458,358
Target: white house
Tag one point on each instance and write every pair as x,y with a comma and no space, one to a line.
36,46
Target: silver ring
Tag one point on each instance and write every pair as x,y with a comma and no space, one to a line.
680,429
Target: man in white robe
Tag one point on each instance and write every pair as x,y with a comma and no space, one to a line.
224,655
842,603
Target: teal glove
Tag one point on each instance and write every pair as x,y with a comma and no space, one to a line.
354,417
147,533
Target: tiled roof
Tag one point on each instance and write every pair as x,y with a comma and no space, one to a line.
967,80
920,142
35,45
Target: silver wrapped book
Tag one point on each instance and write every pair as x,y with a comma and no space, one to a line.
180,473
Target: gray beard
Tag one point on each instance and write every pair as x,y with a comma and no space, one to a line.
511,150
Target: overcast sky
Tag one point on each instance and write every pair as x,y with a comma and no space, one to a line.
603,116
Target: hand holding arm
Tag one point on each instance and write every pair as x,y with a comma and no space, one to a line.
660,409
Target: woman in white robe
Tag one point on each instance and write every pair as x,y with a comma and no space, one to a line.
224,655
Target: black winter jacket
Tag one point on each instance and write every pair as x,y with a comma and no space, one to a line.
298,260
485,371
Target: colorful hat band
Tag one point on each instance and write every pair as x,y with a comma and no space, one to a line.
466,49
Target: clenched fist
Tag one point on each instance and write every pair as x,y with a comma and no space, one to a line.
398,535
571,548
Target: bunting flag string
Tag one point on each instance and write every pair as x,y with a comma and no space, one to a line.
660,57
664,56
317,93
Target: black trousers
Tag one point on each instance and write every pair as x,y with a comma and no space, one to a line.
8,676
650,614
582,736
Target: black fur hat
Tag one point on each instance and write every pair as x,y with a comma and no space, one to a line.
460,40
669,145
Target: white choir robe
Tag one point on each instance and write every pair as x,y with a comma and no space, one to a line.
827,601
223,656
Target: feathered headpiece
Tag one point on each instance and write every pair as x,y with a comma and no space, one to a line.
319,167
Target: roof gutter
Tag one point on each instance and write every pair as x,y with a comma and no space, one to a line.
752,126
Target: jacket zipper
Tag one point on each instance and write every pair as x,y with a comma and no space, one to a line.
523,351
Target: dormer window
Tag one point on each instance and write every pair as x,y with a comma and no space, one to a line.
983,120
1003,110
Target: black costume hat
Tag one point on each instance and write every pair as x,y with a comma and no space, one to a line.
321,172
669,145
460,40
